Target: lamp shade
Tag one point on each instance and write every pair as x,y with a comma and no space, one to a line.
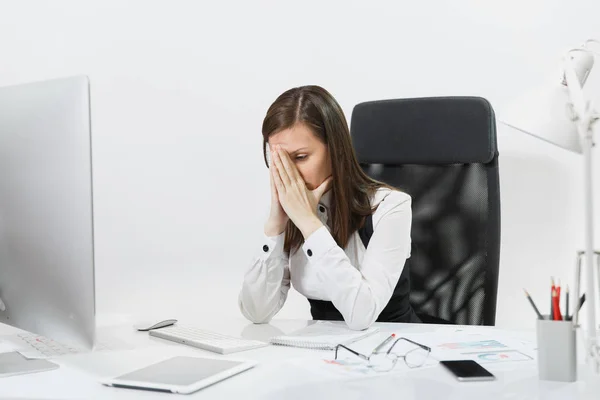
546,114
549,113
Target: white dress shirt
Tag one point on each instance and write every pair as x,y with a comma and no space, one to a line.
358,281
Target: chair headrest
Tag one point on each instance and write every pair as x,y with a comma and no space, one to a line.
427,130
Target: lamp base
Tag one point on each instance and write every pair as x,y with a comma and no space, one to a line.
589,374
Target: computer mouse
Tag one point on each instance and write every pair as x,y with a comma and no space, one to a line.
143,327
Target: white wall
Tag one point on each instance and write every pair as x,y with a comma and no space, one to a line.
180,89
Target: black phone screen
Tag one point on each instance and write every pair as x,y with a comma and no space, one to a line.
467,370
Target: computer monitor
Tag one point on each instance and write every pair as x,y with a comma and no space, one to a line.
46,211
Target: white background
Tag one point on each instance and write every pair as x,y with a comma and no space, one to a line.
179,90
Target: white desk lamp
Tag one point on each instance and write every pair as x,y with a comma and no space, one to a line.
561,115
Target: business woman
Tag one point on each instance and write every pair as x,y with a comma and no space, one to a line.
341,238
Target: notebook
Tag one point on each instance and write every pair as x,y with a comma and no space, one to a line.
322,335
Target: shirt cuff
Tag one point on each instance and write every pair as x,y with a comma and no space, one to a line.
318,244
272,246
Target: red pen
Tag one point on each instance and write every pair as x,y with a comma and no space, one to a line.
556,305
558,301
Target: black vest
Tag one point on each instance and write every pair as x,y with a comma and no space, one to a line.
398,308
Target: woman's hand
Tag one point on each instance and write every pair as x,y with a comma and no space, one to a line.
277,220
299,203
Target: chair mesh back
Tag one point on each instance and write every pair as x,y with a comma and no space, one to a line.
455,232
449,241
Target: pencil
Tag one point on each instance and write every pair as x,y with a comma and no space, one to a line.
567,303
552,288
376,350
581,301
533,305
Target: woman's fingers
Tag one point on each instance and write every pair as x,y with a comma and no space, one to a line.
323,187
272,181
290,168
279,185
281,170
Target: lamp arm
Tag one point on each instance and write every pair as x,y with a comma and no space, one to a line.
584,116
585,50
580,106
594,117
594,41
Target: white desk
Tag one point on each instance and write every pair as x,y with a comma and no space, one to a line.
275,377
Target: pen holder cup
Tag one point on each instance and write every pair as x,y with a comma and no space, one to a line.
557,357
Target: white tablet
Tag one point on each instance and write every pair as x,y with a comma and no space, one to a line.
180,374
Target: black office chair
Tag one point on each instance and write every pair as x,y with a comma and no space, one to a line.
443,152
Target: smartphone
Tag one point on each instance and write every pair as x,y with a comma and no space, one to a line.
468,371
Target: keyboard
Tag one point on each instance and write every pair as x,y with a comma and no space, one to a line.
206,340
31,345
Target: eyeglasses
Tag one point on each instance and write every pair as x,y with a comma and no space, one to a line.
414,357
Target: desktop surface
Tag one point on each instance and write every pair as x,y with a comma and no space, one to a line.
285,372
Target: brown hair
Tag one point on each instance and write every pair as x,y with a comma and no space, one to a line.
351,188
